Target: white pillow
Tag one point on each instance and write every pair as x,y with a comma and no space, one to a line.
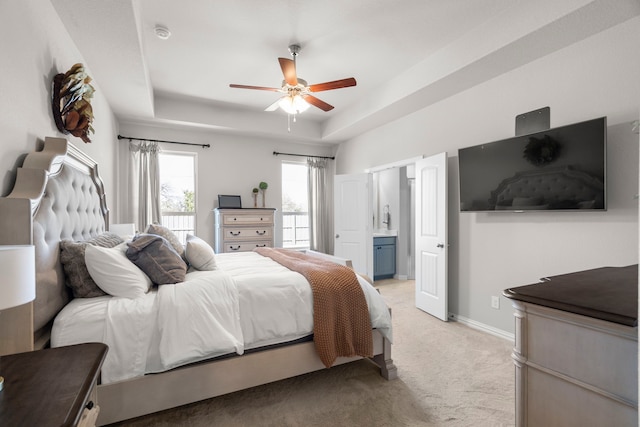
199,254
114,273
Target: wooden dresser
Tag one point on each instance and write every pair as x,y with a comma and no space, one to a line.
576,349
242,230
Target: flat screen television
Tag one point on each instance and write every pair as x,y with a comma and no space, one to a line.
559,169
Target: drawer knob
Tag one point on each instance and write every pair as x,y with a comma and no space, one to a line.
261,246
260,233
234,234
234,248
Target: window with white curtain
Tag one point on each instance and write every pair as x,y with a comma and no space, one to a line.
178,192
295,205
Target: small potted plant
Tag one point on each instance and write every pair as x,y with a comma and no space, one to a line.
263,187
255,197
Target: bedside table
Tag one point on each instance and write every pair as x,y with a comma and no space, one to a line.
51,387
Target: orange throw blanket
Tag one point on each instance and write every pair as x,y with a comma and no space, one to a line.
341,321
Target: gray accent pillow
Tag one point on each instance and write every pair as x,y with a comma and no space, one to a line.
161,230
75,268
199,254
155,256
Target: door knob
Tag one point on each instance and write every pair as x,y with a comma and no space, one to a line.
337,236
440,245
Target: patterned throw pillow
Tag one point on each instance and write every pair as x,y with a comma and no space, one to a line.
160,230
155,256
75,268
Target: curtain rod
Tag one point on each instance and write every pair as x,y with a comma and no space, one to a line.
275,153
160,140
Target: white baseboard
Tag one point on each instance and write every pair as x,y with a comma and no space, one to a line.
482,327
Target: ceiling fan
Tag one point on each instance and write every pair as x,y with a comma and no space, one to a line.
297,93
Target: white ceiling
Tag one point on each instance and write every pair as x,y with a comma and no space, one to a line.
404,54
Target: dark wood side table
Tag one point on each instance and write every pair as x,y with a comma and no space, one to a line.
51,387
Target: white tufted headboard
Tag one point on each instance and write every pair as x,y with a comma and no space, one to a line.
58,195
546,187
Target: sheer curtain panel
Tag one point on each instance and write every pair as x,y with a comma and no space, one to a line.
145,183
320,205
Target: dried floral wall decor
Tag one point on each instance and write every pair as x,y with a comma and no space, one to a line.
541,151
71,102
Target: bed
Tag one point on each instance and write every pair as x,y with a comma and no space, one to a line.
58,196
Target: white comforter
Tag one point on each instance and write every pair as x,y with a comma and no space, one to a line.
249,301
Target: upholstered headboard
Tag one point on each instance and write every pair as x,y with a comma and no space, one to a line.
549,187
58,195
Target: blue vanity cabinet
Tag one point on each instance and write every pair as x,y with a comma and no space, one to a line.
384,257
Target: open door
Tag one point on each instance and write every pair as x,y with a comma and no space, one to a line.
431,235
353,220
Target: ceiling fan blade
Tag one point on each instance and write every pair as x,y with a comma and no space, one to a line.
317,102
274,106
272,89
289,71
336,84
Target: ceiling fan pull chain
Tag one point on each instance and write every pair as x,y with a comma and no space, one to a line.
289,121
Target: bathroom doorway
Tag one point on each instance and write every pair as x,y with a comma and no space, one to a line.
394,211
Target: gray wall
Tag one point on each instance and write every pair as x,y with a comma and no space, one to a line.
233,165
490,252
35,47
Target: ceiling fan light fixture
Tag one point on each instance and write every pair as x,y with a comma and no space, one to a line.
297,93
293,104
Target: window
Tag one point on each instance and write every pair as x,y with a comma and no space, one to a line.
295,206
178,192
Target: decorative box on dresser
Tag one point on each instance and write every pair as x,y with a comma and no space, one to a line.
242,230
576,349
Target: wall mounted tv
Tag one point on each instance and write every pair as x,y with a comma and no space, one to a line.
560,169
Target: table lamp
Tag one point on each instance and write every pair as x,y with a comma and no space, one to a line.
17,279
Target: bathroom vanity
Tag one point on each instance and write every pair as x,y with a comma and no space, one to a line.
384,257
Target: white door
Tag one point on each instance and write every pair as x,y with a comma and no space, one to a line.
353,220
431,235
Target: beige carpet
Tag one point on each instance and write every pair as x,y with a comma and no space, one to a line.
449,375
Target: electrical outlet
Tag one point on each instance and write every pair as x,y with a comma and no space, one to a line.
495,302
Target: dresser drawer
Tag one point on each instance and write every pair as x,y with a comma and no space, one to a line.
244,233
247,219
247,246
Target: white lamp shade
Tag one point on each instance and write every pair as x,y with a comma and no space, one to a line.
123,230
293,104
17,275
